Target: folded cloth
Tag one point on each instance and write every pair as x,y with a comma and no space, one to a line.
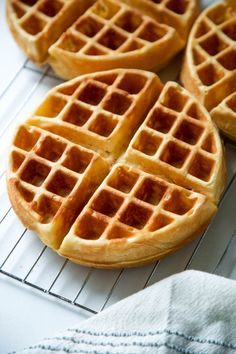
191,313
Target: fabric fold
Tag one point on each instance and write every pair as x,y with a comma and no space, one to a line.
191,313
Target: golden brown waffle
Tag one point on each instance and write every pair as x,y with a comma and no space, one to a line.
141,210
209,69
110,34
37,24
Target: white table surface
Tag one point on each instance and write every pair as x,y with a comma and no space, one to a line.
26,316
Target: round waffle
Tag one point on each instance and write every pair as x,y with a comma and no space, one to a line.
105,186
102,34
209,69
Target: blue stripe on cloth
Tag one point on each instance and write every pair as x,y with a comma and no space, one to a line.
167,331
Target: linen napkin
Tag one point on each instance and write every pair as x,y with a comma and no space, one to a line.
190,313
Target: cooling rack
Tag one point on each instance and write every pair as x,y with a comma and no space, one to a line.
26,260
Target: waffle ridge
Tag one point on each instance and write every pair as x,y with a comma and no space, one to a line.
209,69
77,37
111,200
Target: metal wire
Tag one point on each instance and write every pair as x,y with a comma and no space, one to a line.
112,289
5,215
13,79
205,232
149,278
14,247
34,264
25,100
225,252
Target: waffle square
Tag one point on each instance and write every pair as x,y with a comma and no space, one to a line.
114,169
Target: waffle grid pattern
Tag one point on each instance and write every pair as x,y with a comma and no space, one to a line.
175,133
130,200
99,107
214,51
49,168
34,15
109,27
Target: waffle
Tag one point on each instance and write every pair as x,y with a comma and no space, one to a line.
225,116
116,197
209,69
37,24
107,34
112,34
